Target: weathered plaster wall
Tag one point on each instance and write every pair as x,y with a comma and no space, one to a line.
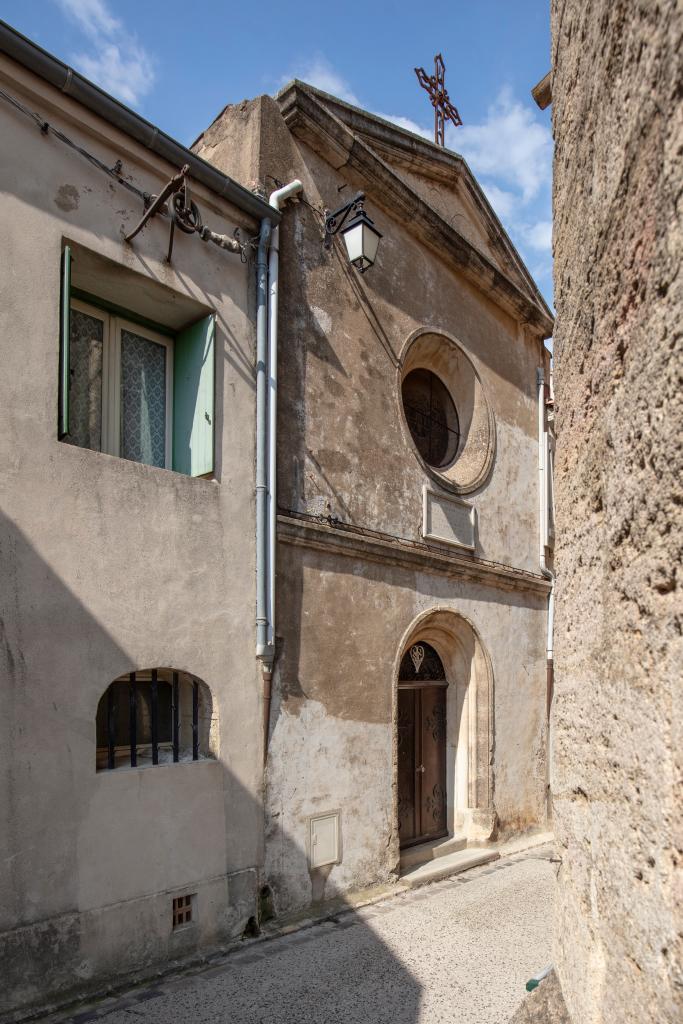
449,200
342,622
109,566
617,720
344,448
345,451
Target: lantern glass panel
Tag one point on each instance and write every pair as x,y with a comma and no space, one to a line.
353,239
370,242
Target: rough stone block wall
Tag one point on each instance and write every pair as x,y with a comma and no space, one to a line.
619,655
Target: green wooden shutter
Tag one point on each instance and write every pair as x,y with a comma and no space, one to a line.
65,332
193,398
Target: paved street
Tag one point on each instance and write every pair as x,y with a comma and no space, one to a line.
459,950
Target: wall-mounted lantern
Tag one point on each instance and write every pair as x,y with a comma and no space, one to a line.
360,235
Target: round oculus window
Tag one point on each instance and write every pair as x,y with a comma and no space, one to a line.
432,417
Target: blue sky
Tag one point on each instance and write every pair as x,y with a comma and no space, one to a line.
178,63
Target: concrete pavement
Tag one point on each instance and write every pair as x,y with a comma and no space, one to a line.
457,951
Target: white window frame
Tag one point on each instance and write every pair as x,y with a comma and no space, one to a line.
112,326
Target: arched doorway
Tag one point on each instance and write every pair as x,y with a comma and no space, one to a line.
422,731
452,683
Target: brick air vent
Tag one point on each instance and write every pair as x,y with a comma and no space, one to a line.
182,911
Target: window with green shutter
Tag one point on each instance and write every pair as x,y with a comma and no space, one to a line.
133,388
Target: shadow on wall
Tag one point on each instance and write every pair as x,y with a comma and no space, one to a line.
92,862
347,624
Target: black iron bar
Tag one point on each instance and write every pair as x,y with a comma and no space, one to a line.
111,727
155,718
133,720
176,717
195,720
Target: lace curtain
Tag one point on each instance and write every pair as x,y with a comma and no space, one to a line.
85,383
143,400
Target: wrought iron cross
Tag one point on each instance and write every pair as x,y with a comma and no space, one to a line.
443,108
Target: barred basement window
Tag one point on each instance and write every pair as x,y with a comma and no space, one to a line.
151,717
182,910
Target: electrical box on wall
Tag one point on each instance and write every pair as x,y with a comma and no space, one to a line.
324,840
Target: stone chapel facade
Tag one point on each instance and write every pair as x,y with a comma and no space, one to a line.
410,685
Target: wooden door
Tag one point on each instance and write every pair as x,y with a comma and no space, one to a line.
421,763
432,767
408,824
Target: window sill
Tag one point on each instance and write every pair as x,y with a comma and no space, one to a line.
118,460
183,762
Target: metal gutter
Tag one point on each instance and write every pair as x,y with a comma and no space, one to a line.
32,57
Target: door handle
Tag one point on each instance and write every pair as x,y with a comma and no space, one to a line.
420,768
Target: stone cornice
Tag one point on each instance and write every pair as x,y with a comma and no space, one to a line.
452,171
414,557
313,122
403,148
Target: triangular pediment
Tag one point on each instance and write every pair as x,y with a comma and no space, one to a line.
446,197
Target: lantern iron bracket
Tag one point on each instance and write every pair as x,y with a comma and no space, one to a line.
334,221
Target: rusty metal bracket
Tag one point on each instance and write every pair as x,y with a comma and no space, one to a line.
158,202
184,213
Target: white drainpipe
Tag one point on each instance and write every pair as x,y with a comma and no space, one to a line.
543,507
266,448
262,650
276,200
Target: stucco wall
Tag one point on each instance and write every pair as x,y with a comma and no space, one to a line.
451,202
617,719
344,451
342,438
343,622
110,566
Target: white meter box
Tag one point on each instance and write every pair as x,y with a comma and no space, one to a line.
324,839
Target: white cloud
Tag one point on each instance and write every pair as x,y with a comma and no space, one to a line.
540,236
510,151
321,75
510,145
502,201
410,126
116,60
91,15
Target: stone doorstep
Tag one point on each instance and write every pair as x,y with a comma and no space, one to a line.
447,865
426,853
415,855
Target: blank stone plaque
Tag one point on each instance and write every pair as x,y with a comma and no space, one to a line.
447,519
